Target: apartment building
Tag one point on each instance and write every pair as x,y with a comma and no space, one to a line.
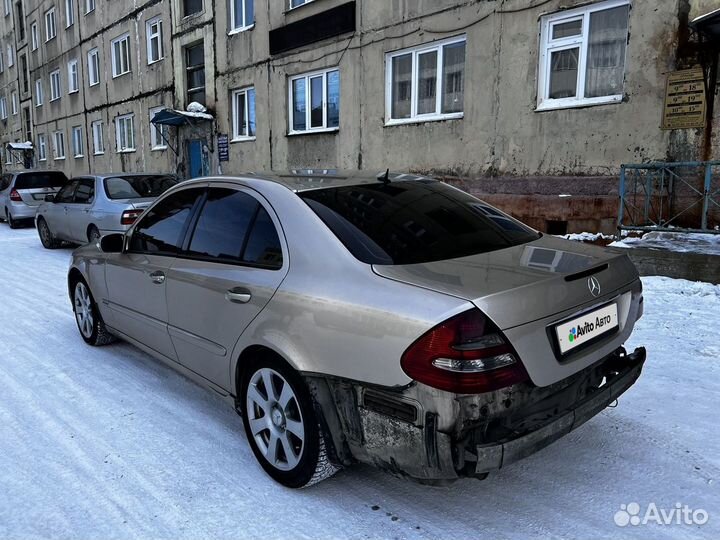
508,98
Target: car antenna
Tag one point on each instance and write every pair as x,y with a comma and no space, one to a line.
384,177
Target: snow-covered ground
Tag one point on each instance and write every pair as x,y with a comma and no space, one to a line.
683,242
108,443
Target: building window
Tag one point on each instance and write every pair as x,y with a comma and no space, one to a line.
89,6
195,73
34,39
7,7
158,132
59,145
73,84
25,75
125,133
69,14
190,7
315,101
120,50
14,102
10,56
2,65
298,3
154,40
20,21
242,15
50,29
42,148
38,92
243,111
93,67
55,85
582,55
425,83
27,123
3,108
77,143
98,137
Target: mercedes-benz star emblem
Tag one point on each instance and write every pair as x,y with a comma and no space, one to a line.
594,286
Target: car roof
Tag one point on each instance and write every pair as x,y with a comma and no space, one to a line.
113,175
299,180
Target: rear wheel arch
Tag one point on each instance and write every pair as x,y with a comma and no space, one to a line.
73,277
90,229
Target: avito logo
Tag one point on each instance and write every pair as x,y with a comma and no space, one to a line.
577,332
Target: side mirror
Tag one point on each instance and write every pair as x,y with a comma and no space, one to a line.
49,198
112,243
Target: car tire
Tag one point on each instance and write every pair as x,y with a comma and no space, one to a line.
46,235
10,221
295,457
87,316
93,234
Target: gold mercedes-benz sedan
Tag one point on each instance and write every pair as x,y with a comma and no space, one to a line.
389,319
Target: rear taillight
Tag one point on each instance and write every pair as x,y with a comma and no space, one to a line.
129,216
15,196
467,354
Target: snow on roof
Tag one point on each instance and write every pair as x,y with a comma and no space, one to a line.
27,145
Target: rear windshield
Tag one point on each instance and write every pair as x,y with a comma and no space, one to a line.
137,187
39,180
413,222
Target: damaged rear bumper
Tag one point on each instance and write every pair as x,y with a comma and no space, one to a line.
428,434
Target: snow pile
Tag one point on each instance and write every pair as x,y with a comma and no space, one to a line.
109,443
586,237
706,243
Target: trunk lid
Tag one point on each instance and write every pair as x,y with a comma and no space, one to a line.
525,283
36,196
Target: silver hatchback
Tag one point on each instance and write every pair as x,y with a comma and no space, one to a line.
391,320
22,192
87,207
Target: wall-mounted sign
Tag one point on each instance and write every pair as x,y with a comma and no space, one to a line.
684,100
223,148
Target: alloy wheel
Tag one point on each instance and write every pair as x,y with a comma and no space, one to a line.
45,233
84,310
275,420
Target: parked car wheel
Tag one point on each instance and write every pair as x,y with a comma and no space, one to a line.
13,223
93,234
282,427
46,236
90,323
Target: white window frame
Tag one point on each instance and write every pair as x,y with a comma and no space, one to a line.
307,77
39,97
7,7
10,56
120,121
415,118
55,90
98,137
50,24
14,102
58,136
150,36
73,76
2,64
69,13
157,142
77,142
3,108
89,6
301,4
547,46
243,27
119,41
236,135
42,147
34,37
93,56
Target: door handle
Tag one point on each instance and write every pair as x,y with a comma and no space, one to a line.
238,295
158,277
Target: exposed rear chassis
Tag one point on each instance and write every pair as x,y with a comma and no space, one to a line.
433,435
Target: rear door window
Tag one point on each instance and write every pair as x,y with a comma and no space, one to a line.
410,222
162,228
233,227
40,180
85,192
138,186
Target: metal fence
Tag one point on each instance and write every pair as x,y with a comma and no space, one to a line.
677,197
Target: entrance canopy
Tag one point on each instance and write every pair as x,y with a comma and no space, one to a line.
708,24
27,145
172,117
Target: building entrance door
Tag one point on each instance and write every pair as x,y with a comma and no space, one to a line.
197,158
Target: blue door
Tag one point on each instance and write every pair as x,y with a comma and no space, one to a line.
196,161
